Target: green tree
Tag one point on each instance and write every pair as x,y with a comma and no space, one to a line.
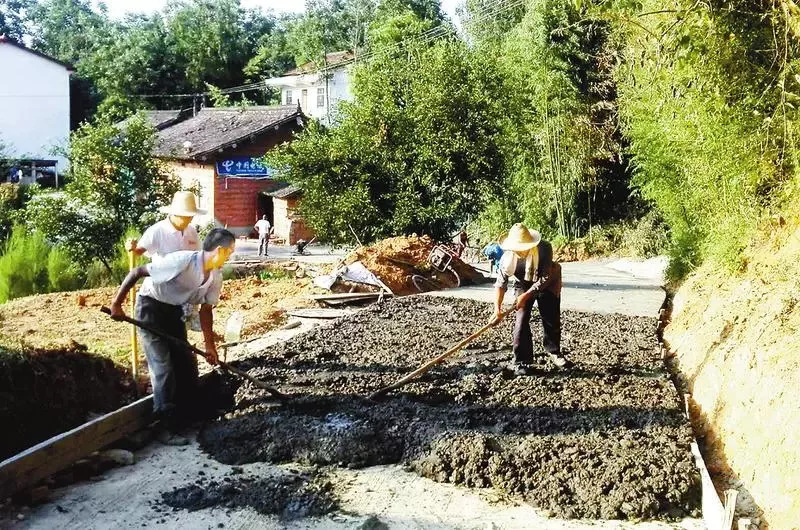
415,152
560,140
12,18
114,183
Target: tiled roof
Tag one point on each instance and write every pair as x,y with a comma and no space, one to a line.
285,192
160,119
331,59
8,40
214,129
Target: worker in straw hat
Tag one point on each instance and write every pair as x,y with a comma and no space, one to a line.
173,233
529,259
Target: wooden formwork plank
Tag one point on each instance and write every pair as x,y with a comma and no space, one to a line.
42,460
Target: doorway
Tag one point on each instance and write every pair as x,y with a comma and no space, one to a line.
266,207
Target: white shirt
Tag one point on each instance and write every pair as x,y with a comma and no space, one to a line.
178,279
263,226
162,238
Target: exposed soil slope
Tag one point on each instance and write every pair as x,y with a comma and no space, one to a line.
736,341
607,439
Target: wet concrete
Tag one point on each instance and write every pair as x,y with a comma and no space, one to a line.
606,439
290,495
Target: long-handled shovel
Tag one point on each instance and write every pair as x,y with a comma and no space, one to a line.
225,366
436,360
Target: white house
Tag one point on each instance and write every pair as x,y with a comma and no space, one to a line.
317,90
34,112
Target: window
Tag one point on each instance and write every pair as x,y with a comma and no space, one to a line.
304,98
320,97
288,97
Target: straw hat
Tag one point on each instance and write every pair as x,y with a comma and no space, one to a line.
183,205
520,238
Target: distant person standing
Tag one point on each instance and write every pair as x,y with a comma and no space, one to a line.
264,230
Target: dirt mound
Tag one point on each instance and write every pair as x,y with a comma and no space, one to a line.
290,495
46,392
607,439
395,260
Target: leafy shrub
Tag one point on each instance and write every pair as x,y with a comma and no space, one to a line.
63,273
23,265
12,201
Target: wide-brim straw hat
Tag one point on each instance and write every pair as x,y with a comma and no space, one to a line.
520,238
183,205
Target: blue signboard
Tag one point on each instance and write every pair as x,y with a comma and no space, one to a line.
243,166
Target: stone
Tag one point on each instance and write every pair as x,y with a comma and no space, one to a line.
120,457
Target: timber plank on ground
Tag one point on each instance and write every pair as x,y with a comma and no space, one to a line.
27,468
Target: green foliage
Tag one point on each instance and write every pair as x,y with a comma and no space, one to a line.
12,18
559,121
12,201
415,152
710,133
63,274
23,265
115,183
217,97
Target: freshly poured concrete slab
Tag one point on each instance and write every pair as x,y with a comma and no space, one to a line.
590,286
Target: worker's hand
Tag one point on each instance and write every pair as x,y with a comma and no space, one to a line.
130,245
497,316
116,311
211,354
522,299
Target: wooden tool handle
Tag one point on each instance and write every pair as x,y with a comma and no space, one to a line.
436,360
260,384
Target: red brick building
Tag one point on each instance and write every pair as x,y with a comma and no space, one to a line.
218,151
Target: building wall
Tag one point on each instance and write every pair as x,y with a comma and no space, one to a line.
338,88
201,175
236,202
289,225
34,105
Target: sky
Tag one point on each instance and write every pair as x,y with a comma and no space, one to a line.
118,8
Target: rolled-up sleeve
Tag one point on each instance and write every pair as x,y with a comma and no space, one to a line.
214,290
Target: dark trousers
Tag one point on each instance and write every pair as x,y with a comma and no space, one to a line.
263,245
173,368
550,312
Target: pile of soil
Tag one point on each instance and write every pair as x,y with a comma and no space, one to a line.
289,495
46,392
395,260
607,439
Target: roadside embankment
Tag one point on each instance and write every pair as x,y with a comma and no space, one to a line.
735,339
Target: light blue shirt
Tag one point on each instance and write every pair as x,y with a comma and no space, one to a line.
179,278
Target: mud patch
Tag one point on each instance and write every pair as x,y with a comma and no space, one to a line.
607,439
289,495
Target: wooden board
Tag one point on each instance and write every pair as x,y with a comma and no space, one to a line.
27,468
318,313
345,296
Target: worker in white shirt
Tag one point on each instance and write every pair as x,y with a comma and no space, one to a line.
264,230
173,233
179,278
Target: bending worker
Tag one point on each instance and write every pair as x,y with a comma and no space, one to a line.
529,260
177,279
